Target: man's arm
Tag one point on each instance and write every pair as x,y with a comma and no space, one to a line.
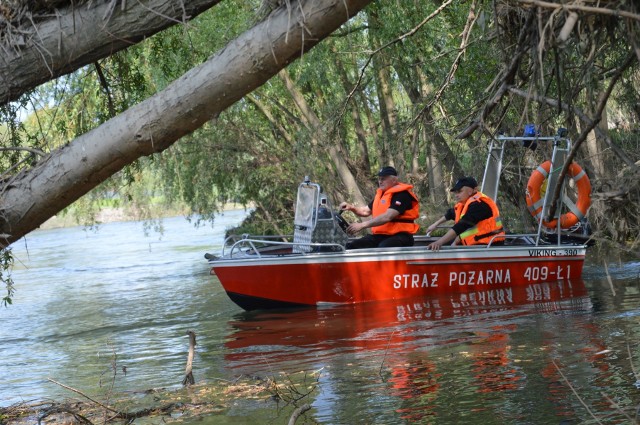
433,226
476,212
448,237
363,211
386,217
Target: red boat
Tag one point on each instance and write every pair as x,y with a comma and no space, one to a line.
312,267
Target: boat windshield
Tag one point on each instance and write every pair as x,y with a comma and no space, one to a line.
308,199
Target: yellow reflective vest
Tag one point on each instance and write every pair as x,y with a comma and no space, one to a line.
484,230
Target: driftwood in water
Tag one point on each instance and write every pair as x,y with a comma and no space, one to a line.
296,413
188,374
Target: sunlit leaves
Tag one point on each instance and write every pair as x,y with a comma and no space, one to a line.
6,264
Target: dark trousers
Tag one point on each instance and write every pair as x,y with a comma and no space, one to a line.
381,241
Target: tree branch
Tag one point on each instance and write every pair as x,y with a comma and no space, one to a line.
104,406
21,148
507,79
631,57
392,42
299,411
154,124
581,8
105,87
78,36
466,32
583,117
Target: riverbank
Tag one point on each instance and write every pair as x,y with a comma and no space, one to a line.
111,215
106,215
161,405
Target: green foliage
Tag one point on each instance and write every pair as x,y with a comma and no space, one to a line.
15,141
6,264
386,88
256,155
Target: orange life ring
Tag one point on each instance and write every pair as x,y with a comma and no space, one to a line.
577,211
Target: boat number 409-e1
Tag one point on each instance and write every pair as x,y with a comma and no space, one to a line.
534,274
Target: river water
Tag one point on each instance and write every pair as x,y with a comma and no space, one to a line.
559,352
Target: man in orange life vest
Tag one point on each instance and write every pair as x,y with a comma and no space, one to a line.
477,219
393,212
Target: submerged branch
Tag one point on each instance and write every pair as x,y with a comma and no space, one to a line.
299,411
575,392
83,395
188,373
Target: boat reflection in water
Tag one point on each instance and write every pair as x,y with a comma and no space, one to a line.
413,350
358,325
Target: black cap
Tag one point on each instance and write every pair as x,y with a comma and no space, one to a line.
464,181
387,171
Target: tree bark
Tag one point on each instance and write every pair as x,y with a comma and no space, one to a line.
188,372
82,34
33,196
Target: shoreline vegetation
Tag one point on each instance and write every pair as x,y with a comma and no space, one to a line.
119,214
277,397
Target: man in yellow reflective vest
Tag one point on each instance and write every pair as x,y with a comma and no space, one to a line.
394,211
477,219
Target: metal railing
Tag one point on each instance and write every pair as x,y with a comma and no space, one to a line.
250,246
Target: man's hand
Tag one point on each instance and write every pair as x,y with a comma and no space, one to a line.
431,229
448,237
355,228
435,246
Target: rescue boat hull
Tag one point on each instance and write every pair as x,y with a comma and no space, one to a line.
359,276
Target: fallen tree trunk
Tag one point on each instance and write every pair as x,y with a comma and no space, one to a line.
33,196
81,34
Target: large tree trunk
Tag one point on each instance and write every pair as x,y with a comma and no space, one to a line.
153,125
82,34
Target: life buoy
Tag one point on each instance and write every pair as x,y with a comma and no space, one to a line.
536,189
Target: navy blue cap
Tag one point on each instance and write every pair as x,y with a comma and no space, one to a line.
387,171
464,181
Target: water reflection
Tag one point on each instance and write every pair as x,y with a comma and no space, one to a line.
420,355
353,326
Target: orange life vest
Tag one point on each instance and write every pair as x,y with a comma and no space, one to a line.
403,222
484,230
